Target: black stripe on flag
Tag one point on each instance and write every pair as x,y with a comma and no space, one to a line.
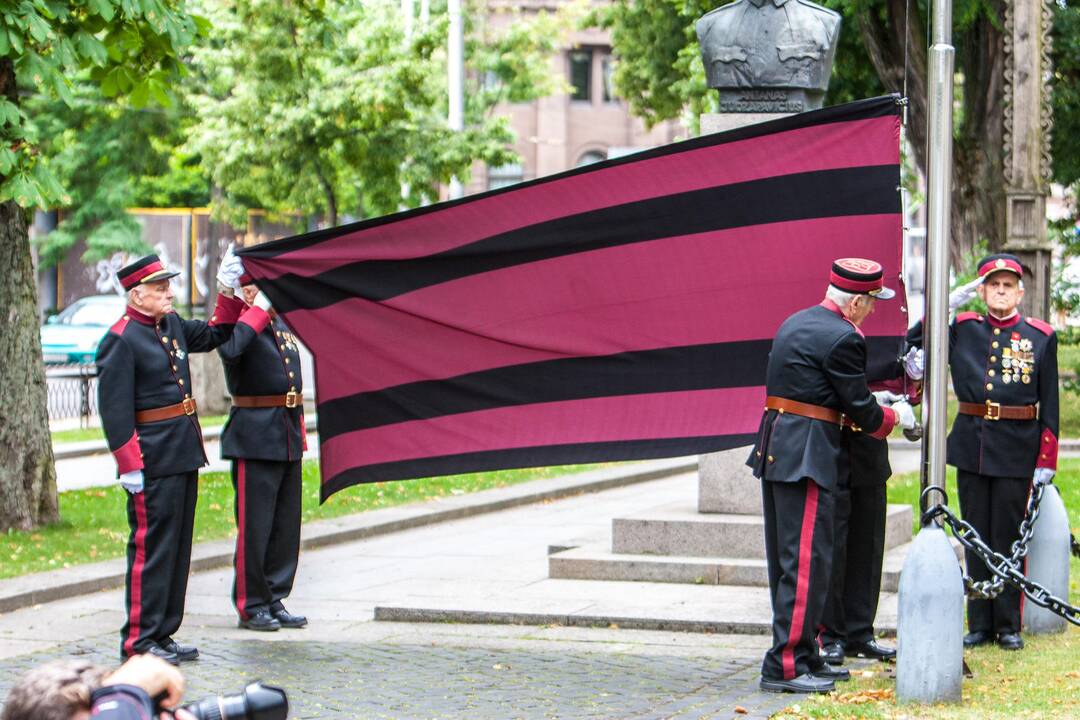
870,190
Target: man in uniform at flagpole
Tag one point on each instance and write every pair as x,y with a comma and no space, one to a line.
1005,437
816,385
150,422
265,438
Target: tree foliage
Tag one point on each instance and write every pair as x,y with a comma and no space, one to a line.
331,109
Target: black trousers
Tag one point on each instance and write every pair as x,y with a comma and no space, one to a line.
798,549
995,507
268,495
161,518
858,551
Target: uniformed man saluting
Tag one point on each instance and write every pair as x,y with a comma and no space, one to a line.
816,386
265,438
1004,372
150,422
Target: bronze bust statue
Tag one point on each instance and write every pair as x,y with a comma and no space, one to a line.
769,55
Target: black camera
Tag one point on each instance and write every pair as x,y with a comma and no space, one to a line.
256,702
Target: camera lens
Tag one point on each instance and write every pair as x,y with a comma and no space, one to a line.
256,702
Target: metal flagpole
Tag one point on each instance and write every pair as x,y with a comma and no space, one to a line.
455,50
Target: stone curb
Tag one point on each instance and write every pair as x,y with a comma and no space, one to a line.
53,585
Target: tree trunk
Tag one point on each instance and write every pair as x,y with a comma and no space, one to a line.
27,474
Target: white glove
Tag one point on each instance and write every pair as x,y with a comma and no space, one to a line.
1043,476
230,270
962,294
885,398
915,363
261,301
905,416
132,481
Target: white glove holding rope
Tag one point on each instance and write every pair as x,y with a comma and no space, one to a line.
905,416
230,270
132,481
1043,476
915,363
962,294
885,398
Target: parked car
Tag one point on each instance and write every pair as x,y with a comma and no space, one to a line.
72,336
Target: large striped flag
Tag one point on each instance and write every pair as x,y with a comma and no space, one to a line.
618,311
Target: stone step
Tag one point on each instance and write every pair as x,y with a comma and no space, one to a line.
680,530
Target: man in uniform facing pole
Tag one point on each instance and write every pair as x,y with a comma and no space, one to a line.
265,438
1004,372
150,422
816,385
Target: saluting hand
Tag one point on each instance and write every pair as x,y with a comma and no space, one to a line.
962,294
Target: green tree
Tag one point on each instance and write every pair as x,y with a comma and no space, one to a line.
126,47
330,110
660,71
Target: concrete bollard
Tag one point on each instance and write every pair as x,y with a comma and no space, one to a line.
1048,563
930,622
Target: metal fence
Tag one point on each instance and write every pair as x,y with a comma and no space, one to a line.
72,392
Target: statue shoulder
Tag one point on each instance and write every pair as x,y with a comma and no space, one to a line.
717,14
830,18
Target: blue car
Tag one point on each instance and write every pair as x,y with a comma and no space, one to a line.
72,336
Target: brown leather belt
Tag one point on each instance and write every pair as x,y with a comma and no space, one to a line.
815,412
187,407
997,411
289,400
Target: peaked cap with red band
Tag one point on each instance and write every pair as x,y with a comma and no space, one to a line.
144,270
860,276
1001,261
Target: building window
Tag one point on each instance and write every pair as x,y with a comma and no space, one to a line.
504,175
581,75
590,157
607,71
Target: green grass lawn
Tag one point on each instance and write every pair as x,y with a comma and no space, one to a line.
94,525
1042,681
95,433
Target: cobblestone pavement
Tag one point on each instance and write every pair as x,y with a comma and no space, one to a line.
434,672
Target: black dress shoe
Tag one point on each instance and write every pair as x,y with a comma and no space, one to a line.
262,621
288,620
160,652
1010,641
870,649
806,683
184,653
977,638
833,653
825,670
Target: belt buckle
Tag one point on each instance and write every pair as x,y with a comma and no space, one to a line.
993,411
292,399
189,406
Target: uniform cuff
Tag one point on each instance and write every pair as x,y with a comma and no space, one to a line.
888,422
227,310
256,318
129,456
1048,451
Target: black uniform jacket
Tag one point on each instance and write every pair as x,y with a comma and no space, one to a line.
1010,362
818,357
263,361
143,365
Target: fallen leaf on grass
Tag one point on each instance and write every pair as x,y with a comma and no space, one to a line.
1073,674
864,696
741,710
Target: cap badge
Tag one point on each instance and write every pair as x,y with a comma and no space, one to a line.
999,264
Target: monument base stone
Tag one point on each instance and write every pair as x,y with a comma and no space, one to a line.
726,485
719,122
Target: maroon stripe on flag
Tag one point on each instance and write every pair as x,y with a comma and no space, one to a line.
854,143
596,303
631,417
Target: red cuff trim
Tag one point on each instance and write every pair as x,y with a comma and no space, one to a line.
256,318
888,422
129,456
1048,451
226,310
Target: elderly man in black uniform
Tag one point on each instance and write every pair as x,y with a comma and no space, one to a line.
265,438
150,422
1004,372
816,385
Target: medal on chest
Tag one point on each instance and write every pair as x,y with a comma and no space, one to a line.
1017,360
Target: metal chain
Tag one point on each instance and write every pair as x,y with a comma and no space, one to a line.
1005,570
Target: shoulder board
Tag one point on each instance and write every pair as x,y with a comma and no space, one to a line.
965,316
1044,327
119,325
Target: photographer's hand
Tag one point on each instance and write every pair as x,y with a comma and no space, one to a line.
153,675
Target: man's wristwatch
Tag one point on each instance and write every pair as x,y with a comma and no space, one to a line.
226,290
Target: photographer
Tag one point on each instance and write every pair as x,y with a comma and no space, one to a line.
78,690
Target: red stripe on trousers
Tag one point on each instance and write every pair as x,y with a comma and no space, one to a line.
135,597
241,576
802,583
